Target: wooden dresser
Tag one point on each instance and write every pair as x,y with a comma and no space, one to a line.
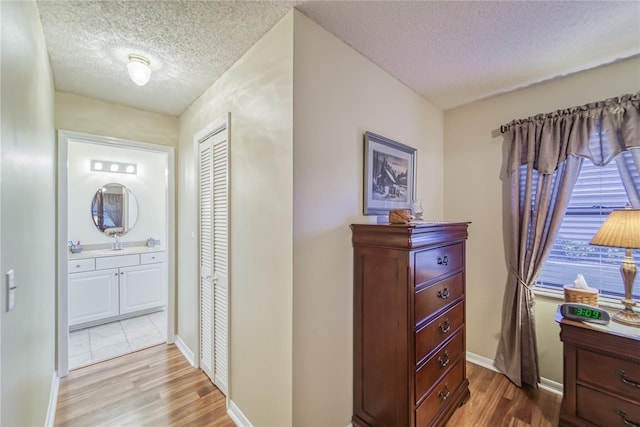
601,376
409,323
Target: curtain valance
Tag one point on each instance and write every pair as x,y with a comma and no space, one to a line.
598,131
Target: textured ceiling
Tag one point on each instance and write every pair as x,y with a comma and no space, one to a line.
450,52
455,52
189,45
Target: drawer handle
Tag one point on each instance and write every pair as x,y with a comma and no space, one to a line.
77,265
444,360
444,394
626,422
445,326
623,377
444,294
443,260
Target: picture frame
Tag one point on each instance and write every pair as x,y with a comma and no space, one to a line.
389,174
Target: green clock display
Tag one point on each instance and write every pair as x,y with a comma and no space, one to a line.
584,313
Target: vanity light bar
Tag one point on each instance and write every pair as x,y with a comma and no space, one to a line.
116,167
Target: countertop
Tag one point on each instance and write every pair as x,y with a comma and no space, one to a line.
108,252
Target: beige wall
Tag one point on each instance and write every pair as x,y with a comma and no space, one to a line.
473,160
257,91
88,115
338,95
27,243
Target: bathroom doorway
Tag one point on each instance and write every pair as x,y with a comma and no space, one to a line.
115,247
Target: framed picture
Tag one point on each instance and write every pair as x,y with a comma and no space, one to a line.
389,175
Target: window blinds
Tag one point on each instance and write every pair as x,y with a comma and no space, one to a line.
597,192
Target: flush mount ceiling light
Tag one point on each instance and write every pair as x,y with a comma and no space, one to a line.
139,70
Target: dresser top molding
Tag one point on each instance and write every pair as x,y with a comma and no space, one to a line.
408,236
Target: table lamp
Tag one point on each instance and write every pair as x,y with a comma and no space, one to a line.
622,230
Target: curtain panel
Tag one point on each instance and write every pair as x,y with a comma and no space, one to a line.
554,145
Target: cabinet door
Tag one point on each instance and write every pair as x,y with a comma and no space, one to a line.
141,287
93,296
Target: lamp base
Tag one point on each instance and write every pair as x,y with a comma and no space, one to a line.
627,317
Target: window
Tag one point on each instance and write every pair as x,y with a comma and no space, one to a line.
597,192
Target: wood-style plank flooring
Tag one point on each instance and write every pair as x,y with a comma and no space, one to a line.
496,402
151,387
158,387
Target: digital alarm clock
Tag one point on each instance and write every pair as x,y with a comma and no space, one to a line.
585,313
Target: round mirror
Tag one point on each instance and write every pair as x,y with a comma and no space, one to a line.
114,209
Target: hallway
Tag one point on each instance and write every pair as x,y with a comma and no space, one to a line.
154,387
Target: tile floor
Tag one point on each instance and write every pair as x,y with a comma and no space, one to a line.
102,342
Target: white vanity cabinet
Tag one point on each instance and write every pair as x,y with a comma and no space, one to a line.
115,286
141,287
93,295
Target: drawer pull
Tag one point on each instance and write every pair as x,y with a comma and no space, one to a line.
445,326
444,294
626,422
444,394
623,377
444,360
443,260
77,265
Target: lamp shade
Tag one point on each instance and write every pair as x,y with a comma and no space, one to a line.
139,71
620,230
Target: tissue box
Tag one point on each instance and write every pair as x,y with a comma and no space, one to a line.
581,296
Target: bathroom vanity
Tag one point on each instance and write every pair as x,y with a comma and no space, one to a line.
107,285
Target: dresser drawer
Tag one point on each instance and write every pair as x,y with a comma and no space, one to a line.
152,258
602,409
435,262
434,297
438,330
608,373
430,372
78,265
440,395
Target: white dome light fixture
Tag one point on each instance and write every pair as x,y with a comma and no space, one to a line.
139,70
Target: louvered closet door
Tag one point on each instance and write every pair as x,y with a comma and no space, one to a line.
206,257
220,257
214,249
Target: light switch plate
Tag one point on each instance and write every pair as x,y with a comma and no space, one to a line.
11,289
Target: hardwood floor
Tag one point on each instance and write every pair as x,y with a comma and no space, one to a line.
495,401
151,387
158,387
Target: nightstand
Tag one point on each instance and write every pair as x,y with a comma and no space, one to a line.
601,374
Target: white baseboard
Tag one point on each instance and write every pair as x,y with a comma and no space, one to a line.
551,386
53,400
237,416
186,351
485,362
